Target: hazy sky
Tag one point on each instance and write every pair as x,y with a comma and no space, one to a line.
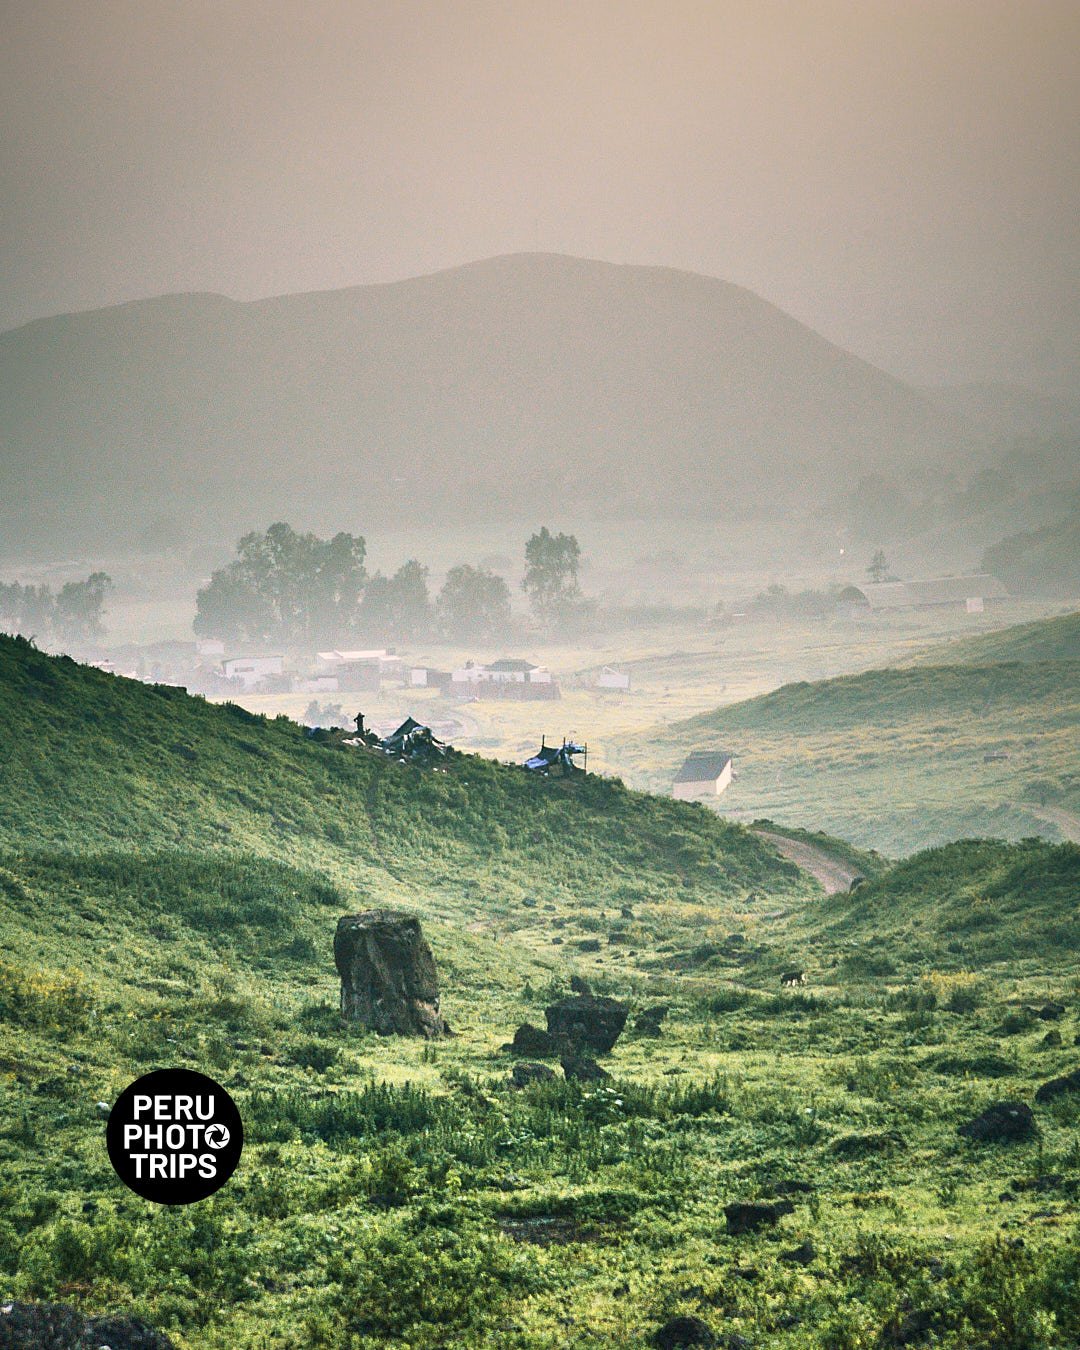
903,176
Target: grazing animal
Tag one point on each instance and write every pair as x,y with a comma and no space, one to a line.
792,977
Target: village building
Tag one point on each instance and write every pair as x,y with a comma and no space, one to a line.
360,670
424,677
970,593
612,679
705,773
509,678
251,671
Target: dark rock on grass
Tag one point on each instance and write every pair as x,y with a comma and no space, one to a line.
534,1042
1050,1011
586,1022
683,1331
1052,1040
791,1186
55,1326
911,1327
582,1069
648,1020
1059,1087
578,985
1001,1123
388,977
802,1255
524,1074
748,1218
852,1146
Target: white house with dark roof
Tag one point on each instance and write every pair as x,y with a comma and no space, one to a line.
705,773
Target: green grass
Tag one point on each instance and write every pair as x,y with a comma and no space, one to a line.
897,760
398,1192
1045,640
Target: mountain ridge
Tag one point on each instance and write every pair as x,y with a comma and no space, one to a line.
632,391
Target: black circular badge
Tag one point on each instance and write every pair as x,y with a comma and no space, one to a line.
174,1136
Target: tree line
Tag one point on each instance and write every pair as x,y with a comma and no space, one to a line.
284,586
71,614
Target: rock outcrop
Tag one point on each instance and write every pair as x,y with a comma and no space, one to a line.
388,977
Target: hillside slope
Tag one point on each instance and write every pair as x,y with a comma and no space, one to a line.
895,760
94,762
629,391
1055,639
159,905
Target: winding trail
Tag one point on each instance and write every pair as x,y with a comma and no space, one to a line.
833,874
1066,821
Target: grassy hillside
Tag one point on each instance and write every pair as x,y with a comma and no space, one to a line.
1044,640
170,877
898,760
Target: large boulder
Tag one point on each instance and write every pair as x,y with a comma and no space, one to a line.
586,1022
388,977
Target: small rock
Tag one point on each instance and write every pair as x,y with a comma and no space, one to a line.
748,1218
683,1331
1050,1011
524,1074
1058,1087
1052,1040
534,1042
1001,1123
102,1108
581,1069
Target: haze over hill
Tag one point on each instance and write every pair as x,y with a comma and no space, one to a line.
482,391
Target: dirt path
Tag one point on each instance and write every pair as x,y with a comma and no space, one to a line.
1066,821
833,874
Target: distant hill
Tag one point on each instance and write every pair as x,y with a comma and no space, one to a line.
485,391
898,760
1040,562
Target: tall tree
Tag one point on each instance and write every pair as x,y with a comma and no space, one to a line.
79,607
473,604
397,607
284,586
879,567
551,572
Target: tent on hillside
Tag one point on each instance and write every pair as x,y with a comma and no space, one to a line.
412,740
557,759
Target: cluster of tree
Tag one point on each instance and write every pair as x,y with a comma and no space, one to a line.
72,614
781,603
1039,562
289,587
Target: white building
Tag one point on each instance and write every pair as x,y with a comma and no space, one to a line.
610,678
248,671
706,773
